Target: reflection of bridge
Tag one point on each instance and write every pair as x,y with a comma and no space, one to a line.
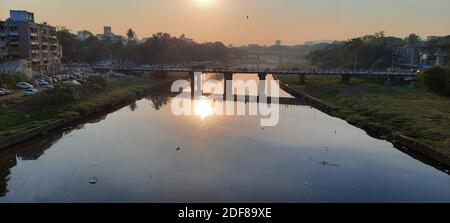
249,99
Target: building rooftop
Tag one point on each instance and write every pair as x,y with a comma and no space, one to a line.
21,16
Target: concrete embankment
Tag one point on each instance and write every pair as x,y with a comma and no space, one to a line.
377,131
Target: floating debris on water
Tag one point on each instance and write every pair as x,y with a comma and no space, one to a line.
93,180
325,163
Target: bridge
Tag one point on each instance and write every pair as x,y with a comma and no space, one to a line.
346,75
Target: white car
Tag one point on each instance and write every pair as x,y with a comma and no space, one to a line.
24,85
2,93
72,82
48,87
30,92
119,75
42,82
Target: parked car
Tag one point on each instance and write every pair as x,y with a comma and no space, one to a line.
72,82
48,87
24,85
6,91
2,93
30,92
42,82
119,75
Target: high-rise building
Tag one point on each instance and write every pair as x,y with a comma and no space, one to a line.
3,51
26,39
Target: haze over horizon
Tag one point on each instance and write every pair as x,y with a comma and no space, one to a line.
291,21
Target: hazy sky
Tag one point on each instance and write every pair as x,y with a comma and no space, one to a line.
292,21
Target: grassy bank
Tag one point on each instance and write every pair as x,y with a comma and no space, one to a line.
412,112
24,115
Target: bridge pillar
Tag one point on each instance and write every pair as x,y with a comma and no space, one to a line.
227,87
262,86
192,79
345,79
302,79
262,76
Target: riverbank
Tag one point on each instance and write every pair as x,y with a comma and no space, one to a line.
20,121
409,117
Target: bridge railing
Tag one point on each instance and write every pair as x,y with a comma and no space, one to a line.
261,70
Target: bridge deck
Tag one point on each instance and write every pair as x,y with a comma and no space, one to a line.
361,73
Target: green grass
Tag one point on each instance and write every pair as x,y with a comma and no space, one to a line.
409,111
18,119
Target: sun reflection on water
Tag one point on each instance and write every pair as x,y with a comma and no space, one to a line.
203,108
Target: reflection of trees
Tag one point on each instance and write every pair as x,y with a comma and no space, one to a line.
7,160
30,150
35,148
133,106
157,100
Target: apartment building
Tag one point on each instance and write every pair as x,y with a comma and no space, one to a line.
38,43
109,35
3,51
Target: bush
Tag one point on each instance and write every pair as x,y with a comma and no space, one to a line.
437,80
10,79
57,96
95,83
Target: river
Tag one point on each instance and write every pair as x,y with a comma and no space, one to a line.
143,153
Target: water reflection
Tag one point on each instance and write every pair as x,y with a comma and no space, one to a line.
133,106
143,153
203,107
34,149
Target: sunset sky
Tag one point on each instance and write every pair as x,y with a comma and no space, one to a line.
292,21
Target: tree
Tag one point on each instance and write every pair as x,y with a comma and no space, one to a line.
131,35
68,42
413,40
372,52
161,48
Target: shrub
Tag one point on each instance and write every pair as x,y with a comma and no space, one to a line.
57,96
10,79
437,80
96,83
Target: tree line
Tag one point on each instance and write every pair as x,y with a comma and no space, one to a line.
371,51
161,48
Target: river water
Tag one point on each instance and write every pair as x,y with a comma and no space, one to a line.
143,153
